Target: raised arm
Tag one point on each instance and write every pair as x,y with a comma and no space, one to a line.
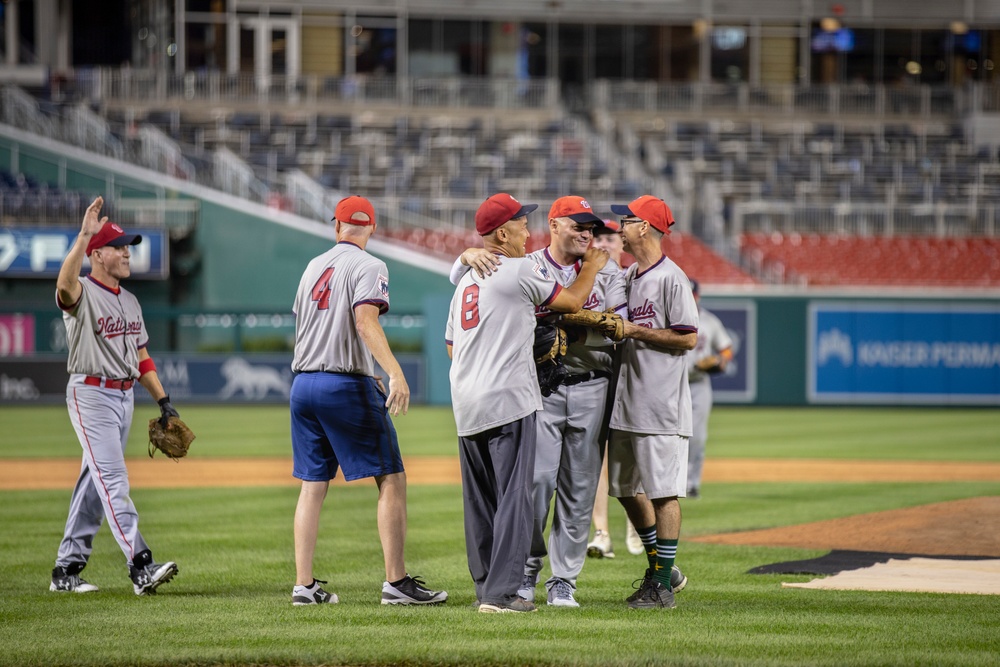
68,286
366,318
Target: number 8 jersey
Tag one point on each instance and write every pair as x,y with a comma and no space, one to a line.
491,328
331,286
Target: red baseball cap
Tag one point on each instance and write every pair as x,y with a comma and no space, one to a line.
575,208
651,209
112,235
610,227
355,210
499,209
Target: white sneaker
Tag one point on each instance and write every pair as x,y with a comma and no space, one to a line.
527,589
632,540
600,547
561,594
312,594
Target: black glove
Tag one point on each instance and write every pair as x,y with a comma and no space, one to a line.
548,349
166,410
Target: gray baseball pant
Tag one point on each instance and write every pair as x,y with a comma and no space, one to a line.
568,463
497,467
701,407
102,418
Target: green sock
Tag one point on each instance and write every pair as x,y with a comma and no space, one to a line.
666,553
648,537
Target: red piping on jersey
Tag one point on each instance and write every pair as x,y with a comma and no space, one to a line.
114,290
555,292
99,477
575,265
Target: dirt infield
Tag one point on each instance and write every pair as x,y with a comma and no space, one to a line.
965,527
958,528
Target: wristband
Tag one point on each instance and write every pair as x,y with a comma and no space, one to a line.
146,366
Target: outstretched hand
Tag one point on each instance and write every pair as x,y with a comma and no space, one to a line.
92,220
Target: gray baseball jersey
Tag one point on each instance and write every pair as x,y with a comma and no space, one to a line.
491,325
331,286
104,331
653,395
712,339
594,353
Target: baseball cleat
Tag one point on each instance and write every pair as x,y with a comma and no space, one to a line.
600,547
516,606
527,589
561,594
146,579
653,595
312,594
632,540
411,590
677,579
65,582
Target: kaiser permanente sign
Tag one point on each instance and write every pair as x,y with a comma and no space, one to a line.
898,353
38,252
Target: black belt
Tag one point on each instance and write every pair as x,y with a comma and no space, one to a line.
585,377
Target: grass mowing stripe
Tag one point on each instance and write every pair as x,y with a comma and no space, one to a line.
853,433
230,602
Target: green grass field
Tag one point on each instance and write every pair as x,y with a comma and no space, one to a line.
230,603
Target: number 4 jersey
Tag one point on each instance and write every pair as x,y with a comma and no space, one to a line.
491,328
331,286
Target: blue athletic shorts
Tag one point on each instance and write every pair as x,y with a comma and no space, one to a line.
340,420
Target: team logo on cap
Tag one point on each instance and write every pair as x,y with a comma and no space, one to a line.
117,228
584,203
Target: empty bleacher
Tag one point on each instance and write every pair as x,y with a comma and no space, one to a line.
897,261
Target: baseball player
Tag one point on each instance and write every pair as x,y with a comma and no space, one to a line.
340,410
107,342
711,355
651,417
568,454
495,395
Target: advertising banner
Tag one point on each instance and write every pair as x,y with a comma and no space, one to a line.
38,252
187,378
738,384
890,353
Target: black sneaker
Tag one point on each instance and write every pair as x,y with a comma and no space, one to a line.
516,606
639,584
677,579
411,590
148,575
312,594
65,580
653,595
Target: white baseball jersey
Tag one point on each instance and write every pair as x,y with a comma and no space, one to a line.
653,395
104,331
326,338
712,339
491,328
593,353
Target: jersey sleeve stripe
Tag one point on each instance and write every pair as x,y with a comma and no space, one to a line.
69,308
621,306
383,307
684,328
555,292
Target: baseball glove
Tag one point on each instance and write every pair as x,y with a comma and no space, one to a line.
549,349
608,323
174,439
711,365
